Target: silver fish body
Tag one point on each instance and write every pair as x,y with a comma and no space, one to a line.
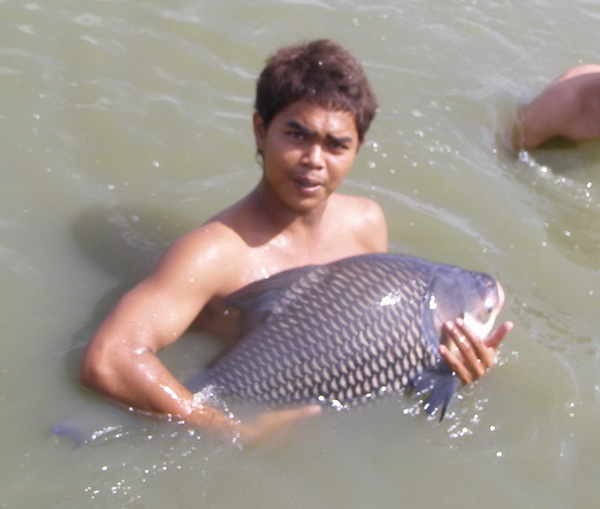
350,331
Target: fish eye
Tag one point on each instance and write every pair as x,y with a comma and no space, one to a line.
489,305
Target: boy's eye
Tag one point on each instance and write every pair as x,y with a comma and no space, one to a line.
297,135
338,145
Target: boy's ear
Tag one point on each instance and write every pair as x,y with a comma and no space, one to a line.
259,130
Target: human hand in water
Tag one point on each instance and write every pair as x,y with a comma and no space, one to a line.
268,424
475,355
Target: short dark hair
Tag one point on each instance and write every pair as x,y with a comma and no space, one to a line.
319,71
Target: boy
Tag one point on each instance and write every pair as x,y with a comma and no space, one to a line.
569,107
313,108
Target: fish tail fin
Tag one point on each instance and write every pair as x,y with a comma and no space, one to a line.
98,423
441,383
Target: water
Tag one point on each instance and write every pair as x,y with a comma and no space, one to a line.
125,124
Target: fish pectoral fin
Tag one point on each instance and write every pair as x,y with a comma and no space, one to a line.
441,384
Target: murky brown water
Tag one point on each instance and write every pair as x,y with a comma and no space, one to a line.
126,123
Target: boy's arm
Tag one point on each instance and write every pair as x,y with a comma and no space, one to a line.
120,361
550,114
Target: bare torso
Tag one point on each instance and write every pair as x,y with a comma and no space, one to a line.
263,247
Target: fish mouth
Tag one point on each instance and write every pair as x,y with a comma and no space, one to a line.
501,296
483,329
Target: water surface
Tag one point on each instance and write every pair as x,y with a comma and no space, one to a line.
124,124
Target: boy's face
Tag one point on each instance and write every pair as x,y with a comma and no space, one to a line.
307,150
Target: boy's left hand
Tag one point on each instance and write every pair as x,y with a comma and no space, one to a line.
475,356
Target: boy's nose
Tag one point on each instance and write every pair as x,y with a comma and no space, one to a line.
314,156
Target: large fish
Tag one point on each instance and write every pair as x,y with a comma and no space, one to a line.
350,330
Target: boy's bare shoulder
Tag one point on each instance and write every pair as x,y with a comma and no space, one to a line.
201,255
221,234
580,70
358,208
365,218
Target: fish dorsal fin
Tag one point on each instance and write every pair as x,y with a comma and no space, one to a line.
257,300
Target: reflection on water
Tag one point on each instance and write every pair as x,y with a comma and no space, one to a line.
124,125
567,184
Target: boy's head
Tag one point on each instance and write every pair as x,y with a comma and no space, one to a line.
319,71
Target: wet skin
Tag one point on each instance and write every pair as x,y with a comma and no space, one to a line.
293,217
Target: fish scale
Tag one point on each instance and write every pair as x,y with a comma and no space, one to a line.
348,331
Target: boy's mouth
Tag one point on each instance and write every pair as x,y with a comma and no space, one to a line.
308,183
